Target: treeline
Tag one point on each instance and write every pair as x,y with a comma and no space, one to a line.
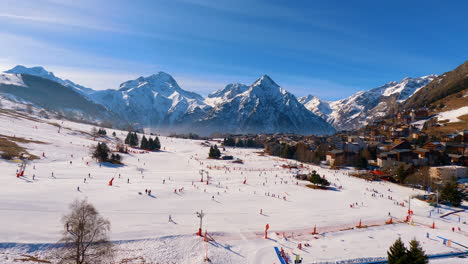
146,143
301,151
98,132
241,143
150,144
188,136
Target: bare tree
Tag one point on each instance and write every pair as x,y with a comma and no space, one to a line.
85,236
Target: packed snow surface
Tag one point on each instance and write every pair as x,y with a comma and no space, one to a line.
31,209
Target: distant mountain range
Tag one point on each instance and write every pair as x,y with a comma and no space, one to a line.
357,110
158,102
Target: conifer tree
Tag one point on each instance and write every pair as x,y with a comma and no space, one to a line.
127,139
416,254
134,141
157,144
101,152
451,194
397,254
214,152
211,152
150,144
144,143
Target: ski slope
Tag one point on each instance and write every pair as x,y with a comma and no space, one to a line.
31,209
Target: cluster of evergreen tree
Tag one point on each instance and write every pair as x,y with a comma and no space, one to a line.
132,139
150,144
188,136
451,194
241,143
301,151
102,132
398,254
98,132
315,178
214,152
115,157
101,153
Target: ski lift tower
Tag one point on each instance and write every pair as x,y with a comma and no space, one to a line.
22,165
200,215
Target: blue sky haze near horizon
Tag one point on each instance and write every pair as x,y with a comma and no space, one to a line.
331,49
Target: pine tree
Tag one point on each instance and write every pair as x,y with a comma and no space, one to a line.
150,144
134,139
101,152
217,152
397,254
214,152
211,152
451,194
144,143
416,254
127,139
157,144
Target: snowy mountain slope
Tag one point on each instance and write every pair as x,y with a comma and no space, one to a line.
11,79
228,92
264,107
316,105
43,73
155,101
357,110
53,96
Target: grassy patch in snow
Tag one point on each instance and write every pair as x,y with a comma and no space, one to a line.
28,258
9,148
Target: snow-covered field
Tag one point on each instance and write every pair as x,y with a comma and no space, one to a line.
30,210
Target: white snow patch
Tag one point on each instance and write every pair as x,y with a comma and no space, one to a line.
452,115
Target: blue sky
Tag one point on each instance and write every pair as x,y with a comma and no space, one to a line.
326,48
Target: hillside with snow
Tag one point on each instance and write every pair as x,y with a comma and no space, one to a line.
52,96
236,212
43,73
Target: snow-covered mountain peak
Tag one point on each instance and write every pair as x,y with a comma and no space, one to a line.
229,91
316,105
265,82
407,86
45,74
35,71
160,80
308,98
265,87
358,109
